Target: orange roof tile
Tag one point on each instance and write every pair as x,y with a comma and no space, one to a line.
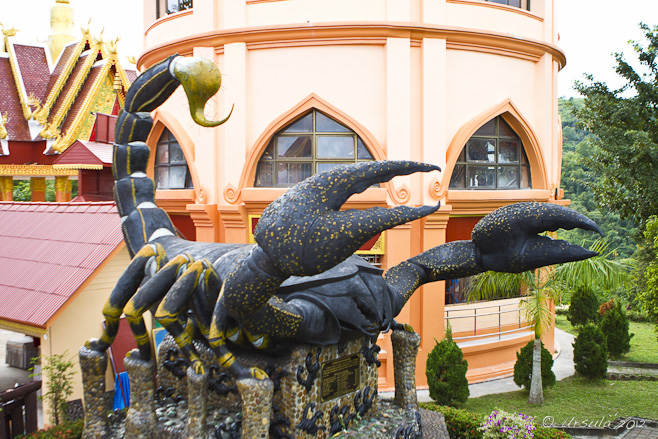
47,251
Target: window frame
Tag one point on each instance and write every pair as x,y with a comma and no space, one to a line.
463,160
271,158
523,4
167,139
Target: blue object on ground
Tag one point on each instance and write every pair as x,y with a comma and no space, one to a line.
121,391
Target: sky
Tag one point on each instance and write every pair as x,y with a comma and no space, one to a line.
122,18
590,30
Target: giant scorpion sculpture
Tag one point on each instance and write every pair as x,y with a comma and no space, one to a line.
300,282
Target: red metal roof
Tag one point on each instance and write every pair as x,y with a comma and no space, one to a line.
85,152
47,251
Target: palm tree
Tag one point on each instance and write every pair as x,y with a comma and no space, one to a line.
544,286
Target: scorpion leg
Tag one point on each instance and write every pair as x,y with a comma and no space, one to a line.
148,295
197,276
145,263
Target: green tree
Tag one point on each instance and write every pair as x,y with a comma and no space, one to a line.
544,286
614,325
590,352
584,307
646,271
576,176
625,142
446,372
59,385
535,306
523,366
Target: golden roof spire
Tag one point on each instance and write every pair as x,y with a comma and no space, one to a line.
61,27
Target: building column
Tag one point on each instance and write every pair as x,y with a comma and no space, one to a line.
431,296
206,221
6,188
38,189
62,191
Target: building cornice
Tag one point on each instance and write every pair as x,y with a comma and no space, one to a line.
36,171
356,33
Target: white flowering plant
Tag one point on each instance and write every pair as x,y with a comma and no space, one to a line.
503,425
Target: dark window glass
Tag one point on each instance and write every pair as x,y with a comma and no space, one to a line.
516,3
313,143
494,143
171,171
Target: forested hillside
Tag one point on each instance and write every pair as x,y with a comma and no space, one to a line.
576,176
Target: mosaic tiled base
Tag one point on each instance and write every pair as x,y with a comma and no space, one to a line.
314,392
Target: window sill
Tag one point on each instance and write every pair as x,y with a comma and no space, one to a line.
174,200
371,196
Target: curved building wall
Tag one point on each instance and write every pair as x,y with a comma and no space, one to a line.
414,79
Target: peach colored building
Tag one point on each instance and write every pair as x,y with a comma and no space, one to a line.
469,85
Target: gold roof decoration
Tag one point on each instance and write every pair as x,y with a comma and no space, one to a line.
34,101
85,30
27,113
3,128
50,132
111,46
8,32
71,135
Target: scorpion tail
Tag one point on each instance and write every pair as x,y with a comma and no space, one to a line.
134,192
142,221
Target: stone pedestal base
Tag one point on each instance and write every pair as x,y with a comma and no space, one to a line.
140,420
197,406
312,392
93,365
256,396
405,350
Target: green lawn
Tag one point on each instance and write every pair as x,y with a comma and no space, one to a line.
577,398
644,344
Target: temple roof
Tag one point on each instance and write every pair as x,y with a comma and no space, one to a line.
47,252
57,102
86,154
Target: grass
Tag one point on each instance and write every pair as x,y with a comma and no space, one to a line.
644,344
577,398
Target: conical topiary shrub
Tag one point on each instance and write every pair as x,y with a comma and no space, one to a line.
584,307
590,352
614,325
446,372
523,366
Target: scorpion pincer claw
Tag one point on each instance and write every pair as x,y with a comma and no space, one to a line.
304,232
508,241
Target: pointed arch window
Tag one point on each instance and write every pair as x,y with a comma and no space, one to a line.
171,171
493,158
312,143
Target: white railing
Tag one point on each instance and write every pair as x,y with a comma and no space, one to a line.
486,319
